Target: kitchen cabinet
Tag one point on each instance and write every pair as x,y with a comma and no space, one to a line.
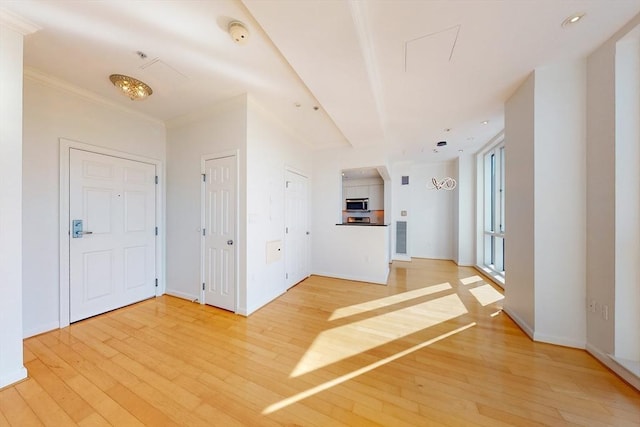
376,197
374,192
356,192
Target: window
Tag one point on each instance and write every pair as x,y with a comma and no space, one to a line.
494,220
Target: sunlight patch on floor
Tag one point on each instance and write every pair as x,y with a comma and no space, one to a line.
345,341
351,375
387,301
486,294
471,279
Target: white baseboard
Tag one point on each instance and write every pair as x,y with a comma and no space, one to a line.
563,341
182,295
523,325
369,279
610,363
249,310
13,377
41,329
464,264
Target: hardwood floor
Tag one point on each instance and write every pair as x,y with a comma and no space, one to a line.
432,348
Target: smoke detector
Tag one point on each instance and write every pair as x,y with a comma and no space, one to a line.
238,32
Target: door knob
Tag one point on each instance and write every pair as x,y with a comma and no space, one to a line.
77,231
229,242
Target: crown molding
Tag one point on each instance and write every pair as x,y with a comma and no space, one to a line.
47,80
17,23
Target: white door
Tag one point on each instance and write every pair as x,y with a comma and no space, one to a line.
296,238
112,258
220,233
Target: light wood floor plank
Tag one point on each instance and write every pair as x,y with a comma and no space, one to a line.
15,410
72,403
422,351
43,405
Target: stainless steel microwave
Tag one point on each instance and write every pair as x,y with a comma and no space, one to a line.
357,205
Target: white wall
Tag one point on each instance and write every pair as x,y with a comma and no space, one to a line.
270,150
560,203
627,183
431,214
219,129
604,151
519,206
329,241
53,110
545,204
401,202
11,196
464,211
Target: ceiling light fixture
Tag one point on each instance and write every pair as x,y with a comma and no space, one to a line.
132,88
485,122
572,19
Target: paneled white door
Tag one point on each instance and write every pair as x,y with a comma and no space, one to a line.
219,256
112,254
296,238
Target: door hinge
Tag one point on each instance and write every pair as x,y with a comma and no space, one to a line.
286,275
204,231
156,179
156,282
286,230
204,177
203,286
156,231
287,184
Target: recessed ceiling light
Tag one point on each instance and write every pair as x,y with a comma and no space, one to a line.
572,19
447,129
485,122
460,150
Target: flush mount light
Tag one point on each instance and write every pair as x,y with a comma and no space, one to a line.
485,122
132,88
572,19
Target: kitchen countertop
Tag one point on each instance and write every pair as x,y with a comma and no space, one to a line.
363,224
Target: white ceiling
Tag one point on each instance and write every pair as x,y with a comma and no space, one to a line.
389,73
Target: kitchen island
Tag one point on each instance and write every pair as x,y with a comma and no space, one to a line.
357,252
